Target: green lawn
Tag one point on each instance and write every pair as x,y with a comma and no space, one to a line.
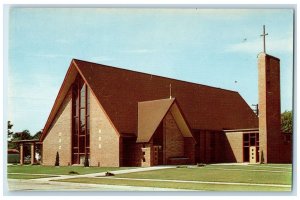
253,174
188,186
62,170
26,176
271,167
269,174
217,174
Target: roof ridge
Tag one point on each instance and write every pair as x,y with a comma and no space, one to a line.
171,99
119,68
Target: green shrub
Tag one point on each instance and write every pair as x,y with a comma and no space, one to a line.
200,164
73,172
109,174
86,162
262,158
181,166
57,159
13,158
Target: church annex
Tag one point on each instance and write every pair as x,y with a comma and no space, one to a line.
118,117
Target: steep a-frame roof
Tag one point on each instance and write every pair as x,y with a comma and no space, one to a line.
151,113
119,91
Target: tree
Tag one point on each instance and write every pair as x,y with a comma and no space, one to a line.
24,135
287,122
15,136
57,159
10,144
37,135
262,158
9,127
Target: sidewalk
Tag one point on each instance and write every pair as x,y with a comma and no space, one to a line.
200,182
124,171
29,185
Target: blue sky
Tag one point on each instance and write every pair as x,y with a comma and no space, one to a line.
214,47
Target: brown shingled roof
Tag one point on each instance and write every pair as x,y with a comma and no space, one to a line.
150,114
119,91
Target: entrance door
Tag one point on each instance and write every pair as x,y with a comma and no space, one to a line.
157,155
252,155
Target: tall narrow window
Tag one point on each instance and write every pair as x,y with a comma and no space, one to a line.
80,121
246,139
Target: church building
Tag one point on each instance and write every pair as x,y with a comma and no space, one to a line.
117,117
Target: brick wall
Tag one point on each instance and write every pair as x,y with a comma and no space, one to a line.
147,158
234,147
210,146
104,142
174,141
137,155
189,149
58,138
269,107
201,146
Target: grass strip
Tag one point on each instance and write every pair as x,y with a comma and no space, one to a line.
187,186
61,170
27,176
213,175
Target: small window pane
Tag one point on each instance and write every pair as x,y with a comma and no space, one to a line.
88,123
75,141
82,115
87,140
81,144
252,141
77,106
75,158
82,96
246,154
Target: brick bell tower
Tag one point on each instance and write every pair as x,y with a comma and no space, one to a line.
269,107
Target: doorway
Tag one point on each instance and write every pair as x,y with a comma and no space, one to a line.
252,155
158,145
157,155
251,147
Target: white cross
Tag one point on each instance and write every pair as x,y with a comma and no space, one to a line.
264,38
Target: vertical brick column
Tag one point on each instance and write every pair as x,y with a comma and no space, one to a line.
147,156
32,152
21,153
269,108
